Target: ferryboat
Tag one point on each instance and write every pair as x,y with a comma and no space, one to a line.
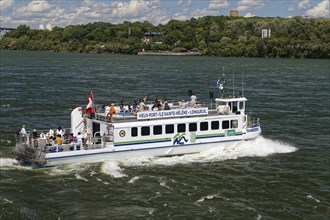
181,128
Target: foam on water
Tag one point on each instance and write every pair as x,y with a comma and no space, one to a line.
113,169
67,169
260,147
79,177
208,197
131,181
11,164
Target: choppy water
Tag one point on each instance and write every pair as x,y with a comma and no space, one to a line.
285,174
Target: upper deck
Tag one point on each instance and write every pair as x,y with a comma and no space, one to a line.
222,106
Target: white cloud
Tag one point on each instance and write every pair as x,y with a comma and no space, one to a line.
304,4
184,3
131,9
4,4
320,10
35,6
218,4
244,5
116,12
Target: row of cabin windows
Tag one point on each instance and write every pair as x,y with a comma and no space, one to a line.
169,129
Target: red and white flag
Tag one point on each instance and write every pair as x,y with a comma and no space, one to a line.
90,104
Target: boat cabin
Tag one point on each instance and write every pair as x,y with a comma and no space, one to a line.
227,106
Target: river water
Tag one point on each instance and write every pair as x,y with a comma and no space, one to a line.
285,174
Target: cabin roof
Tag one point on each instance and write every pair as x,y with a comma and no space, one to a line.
239,99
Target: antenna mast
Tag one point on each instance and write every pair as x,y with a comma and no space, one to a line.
233,83
242,85
222,82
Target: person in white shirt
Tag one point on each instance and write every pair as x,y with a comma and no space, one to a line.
142,106
79,139
59,131
23,131
193,100
50,133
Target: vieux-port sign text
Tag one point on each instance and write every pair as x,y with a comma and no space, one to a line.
172,113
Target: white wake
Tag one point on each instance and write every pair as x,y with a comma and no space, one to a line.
260,147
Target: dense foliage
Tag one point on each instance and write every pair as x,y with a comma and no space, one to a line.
213,36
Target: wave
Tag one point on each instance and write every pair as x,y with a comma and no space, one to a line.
113,169
11,164
260,147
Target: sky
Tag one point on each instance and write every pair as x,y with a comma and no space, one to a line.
62,13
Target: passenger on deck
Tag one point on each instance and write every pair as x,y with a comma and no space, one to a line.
58,140
59,131
134,108
129,107
103,107
122,108
112,111
142,106
157,105
35,138
182,103
42,135
166,106
79,139
193,100
23,132
50,134
71,138
35,134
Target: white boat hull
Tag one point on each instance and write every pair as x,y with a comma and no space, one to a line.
54,159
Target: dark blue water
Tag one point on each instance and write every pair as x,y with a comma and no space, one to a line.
285,174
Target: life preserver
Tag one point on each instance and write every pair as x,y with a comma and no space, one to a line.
122,133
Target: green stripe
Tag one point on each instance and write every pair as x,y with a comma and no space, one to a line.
210,135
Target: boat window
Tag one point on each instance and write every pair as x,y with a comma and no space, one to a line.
158,129
204,126
145,131
241,105
181,127
234,107
192,126
215,125
169,129
234,123
134,132
225,124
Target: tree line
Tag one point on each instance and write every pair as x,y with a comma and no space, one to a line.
295,37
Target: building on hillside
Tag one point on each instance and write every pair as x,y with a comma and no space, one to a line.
49,27
153,38
234,13
46,27
265,33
